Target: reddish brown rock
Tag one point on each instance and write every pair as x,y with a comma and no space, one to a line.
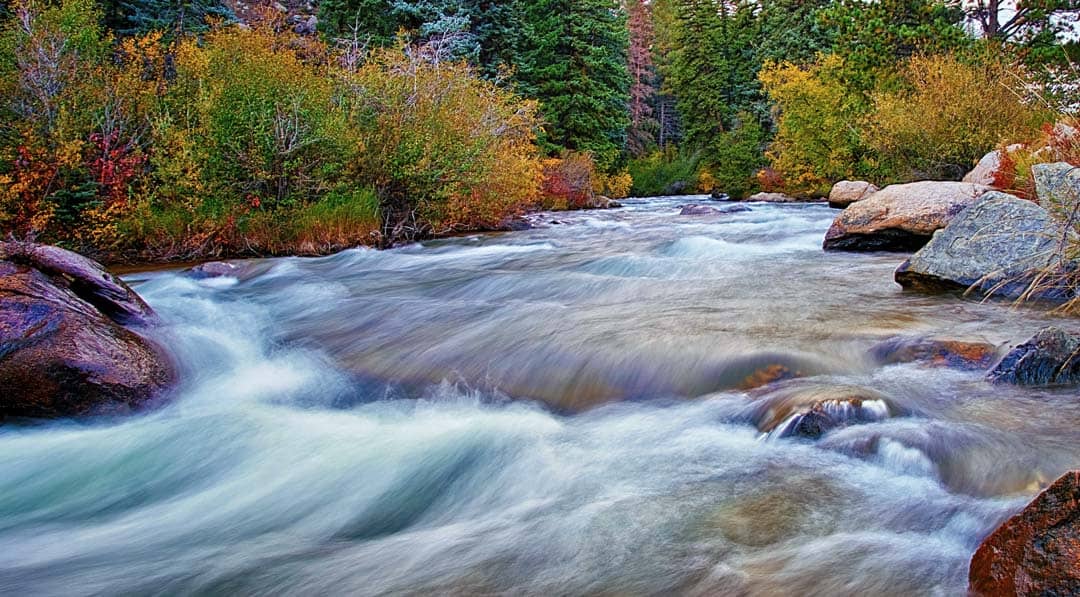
1036,552
900,217
955,354
64,347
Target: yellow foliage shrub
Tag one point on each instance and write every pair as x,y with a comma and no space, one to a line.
949,116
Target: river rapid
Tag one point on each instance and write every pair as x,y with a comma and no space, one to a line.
558,411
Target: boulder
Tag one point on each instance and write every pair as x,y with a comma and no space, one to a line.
1057,184
772,198
706,210
1036,552
954,354
64,347
998,244
718,196
900,217
846,192
1050,357
987,171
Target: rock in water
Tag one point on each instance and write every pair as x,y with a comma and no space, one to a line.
900,217
1050,357
64,350
955,354
706,210
1036,552
773,198
813,410
846,192
997,243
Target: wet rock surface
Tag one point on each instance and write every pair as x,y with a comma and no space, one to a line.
65,349
1036,552
954,354
1050,357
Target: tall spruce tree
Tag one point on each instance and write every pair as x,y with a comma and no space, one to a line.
711,67
573,59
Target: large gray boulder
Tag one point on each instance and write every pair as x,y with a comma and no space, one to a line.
846,192
900,217
1050,357
65,345
1057,185
997,243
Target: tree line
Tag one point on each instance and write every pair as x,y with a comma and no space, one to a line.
164,128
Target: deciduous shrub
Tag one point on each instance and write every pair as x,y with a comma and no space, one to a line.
949,114
666,171
444,149
818,138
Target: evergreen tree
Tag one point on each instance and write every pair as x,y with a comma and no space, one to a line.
573,60
134,17
791,30
712,68
374,22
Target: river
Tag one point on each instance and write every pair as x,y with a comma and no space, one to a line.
558,411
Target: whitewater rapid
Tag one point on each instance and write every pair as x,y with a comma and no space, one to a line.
554,411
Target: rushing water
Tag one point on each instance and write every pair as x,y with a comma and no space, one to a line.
555,411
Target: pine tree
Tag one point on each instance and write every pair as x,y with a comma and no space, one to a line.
374,22
711,68
573,60
642,134
134,17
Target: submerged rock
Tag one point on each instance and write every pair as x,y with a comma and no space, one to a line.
706,210
812,411
900,217
1036,552
846,192
954,354
998,244
64,347
1050,357
213,269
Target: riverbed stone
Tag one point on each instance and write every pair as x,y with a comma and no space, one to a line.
812,411
900,217
998,244
936,352
65,348
846,192
213,269
1050,357
708,210
1036,552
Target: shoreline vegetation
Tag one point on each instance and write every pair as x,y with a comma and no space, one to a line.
136,136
